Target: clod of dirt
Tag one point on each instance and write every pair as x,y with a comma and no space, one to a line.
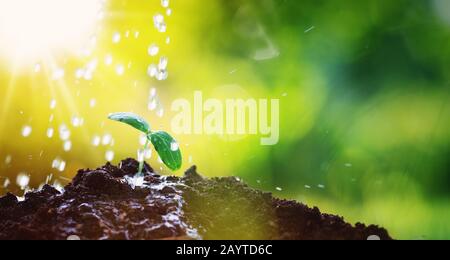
101,204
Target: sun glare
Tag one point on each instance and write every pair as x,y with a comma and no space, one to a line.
34,29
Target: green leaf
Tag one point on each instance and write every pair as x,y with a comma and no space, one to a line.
167,148
131,119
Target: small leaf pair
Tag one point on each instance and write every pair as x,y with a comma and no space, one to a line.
165,145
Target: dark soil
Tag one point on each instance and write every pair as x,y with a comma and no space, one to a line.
100,204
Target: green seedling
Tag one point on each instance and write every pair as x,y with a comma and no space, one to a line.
165,145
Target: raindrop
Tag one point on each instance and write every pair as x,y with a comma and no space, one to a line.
279,189
162,75
77,121
52,104
153,92
120,69
6,183
109,155
165,3
62,166
116,37
79,73
58,74
26,131
64,132
48,178
96,140
8,159
348,165
160,112
67,146
153,50
321,186
163,62
108,59
159,23
174,146
23,180
168,40
307,187
136,34
152,105
152,70
92,102
106,139
50,132
169,12
59,164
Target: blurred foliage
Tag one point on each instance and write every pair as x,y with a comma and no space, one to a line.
364,90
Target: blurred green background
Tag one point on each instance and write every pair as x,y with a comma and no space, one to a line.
363,87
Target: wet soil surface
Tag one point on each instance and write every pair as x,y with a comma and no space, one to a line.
101,204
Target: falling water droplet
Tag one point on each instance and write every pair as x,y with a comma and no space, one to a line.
153,50
152,105
165,3
159,23
120,69
109,155
52,104
64,132
92,102
8,159
116,37
96,140
108,59
6,183
50,132
77,121
163,62
152,70
26,131
67,145
106,139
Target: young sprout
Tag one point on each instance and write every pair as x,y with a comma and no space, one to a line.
164,144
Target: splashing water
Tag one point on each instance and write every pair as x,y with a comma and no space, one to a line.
59,164
22,180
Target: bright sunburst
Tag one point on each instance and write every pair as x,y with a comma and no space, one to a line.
35,29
